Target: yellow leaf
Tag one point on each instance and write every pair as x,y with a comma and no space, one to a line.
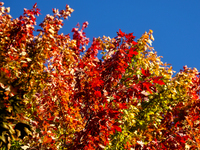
149,41
51,31
151,37
150,31
145,36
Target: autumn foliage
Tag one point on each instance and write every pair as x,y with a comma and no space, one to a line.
57,94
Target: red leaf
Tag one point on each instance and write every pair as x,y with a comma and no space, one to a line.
85,24
146,86
81,65
132,52
182,141
97,93
120,33
122,105
156,80
35,5
160,82
134,43
145,72
117,128
176,123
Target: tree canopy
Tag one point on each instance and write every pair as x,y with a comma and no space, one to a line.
56,93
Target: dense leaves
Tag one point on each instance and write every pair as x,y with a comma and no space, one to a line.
57,94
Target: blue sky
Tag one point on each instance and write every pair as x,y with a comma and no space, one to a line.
176,23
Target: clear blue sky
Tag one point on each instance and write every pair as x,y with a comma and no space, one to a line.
176,23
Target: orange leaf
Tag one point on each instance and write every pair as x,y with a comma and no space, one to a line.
47,139
190,123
